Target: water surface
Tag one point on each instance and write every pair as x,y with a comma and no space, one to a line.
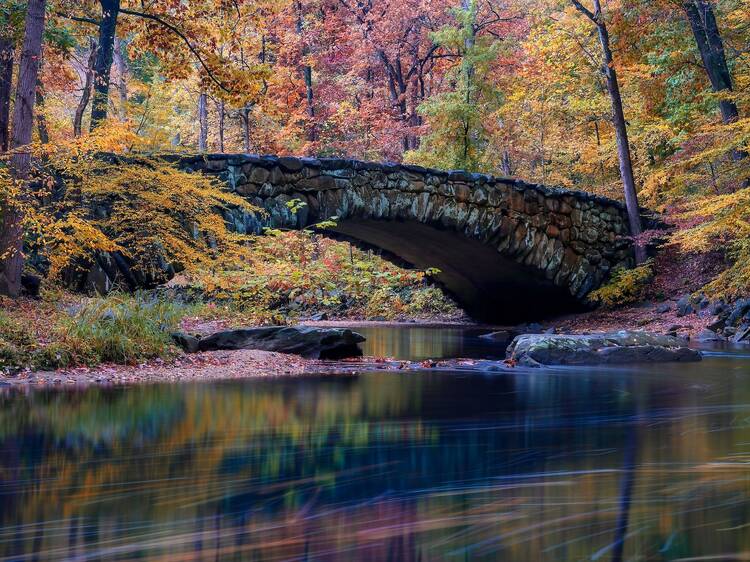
648,463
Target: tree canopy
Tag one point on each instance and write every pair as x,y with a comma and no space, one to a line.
510,87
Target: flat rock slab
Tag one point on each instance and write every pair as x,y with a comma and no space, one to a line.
536,350
308,342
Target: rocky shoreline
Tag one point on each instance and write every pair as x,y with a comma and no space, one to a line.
526,350
208,366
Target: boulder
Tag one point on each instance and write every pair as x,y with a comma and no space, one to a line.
535,350
742,335
663,308
189,344
31,285
707,336
719,308
685,306
309,342
739,312
675,328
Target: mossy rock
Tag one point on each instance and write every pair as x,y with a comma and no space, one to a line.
535,350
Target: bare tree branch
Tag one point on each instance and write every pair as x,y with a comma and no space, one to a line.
585,11
77,18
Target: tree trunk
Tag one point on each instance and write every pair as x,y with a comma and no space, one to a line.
103,65
700,14
397,89
86,92
245,118
122,79
307,75
7,52
621,128
222,115
469,7
702,20
623,143
41,119
202,122
506,164
312,134
11,235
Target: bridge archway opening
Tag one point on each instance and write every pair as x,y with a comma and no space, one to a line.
489,286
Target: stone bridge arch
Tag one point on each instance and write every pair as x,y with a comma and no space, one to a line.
507,250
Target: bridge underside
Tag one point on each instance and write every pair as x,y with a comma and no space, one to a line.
488,285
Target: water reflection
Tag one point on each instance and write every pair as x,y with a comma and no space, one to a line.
417,343
652,464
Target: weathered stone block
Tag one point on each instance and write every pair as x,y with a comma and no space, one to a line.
316,183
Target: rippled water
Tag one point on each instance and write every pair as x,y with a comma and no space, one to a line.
651,463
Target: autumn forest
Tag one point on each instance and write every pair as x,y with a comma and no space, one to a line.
643,102
364,280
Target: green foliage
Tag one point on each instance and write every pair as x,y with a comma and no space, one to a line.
459,136
155,215
149,210
14,332
626,286
11,357
14,339
17,341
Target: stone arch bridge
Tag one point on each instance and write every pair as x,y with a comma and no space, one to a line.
507,250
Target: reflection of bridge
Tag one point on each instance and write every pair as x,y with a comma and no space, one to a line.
506,249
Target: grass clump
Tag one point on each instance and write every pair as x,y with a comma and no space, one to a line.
119,329
16,342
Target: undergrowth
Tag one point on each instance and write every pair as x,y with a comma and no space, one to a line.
296,275
626,286
291,275
126,329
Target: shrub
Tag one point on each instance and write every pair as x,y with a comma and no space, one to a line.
626,286
384,302
15,332
295,274
11,357
56,355
428,301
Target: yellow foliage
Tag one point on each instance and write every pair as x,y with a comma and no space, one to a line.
721,221
625,287
85,202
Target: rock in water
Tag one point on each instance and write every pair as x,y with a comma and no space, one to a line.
707,336
500,336
536,350
309,342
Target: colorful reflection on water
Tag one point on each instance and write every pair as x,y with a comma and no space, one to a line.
416,343
647,464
